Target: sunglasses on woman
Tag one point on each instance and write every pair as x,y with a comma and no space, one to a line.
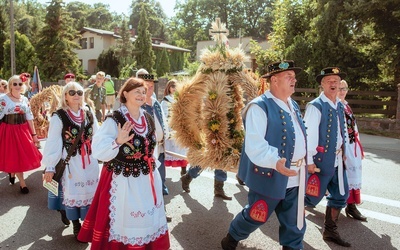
73,92
16,84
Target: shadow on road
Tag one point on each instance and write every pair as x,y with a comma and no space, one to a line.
353,231
40,227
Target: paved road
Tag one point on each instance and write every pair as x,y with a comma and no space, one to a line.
200,221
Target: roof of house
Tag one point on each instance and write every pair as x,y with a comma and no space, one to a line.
100,32
111,33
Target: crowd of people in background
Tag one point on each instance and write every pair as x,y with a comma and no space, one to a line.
127,130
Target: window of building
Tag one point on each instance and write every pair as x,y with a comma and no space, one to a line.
83,43
91,42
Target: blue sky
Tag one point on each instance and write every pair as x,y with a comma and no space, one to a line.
122,6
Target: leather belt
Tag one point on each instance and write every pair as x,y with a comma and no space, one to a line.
14,119
297,163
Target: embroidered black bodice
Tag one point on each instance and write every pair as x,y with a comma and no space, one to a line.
134,156
70,131
351,123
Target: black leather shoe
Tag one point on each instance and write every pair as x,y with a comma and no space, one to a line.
24,190
229,243
64,218
11,179
76,228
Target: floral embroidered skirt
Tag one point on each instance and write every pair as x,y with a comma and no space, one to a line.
124,215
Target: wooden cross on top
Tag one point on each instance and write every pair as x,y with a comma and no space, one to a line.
218,31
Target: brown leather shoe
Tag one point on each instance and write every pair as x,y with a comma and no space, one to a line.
352,211
219,190
186,179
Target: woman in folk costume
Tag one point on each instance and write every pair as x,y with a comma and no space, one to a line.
18,151
170,143
354,156
79,181
128,209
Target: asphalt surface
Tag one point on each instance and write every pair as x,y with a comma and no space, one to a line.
200,220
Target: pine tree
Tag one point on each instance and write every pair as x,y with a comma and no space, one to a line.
145,57
163,67
108,61
56,44
25,56
124,49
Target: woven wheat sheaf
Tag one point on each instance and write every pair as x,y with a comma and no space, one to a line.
43,103
207,113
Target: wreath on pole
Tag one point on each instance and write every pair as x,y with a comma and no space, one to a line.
207,113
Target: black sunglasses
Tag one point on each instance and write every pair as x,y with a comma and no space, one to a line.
15,84
73,92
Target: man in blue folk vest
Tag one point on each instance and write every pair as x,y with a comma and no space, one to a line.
153,107
272,163
326,128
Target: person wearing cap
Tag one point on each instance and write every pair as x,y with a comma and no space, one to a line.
27,88
325,121
272,162
69,77
110,92
98,96
153,107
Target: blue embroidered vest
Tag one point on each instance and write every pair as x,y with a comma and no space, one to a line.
280,134
327,137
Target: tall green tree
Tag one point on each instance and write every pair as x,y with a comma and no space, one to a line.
56,44
164,66
145,57
156,17
332,38
25,56
188,26
377,34
124,48
108,61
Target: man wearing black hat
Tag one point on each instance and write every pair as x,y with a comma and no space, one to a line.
272,162
326,131
153,107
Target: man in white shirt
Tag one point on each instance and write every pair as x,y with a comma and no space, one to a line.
272,162
326,132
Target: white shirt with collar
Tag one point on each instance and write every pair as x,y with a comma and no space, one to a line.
259,151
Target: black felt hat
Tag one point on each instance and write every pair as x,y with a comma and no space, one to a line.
330,71
281,66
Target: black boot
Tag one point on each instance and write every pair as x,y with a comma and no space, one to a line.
64,218
186,179
330,232
352,211
229,243
239,180
219,190
77,227
183,171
